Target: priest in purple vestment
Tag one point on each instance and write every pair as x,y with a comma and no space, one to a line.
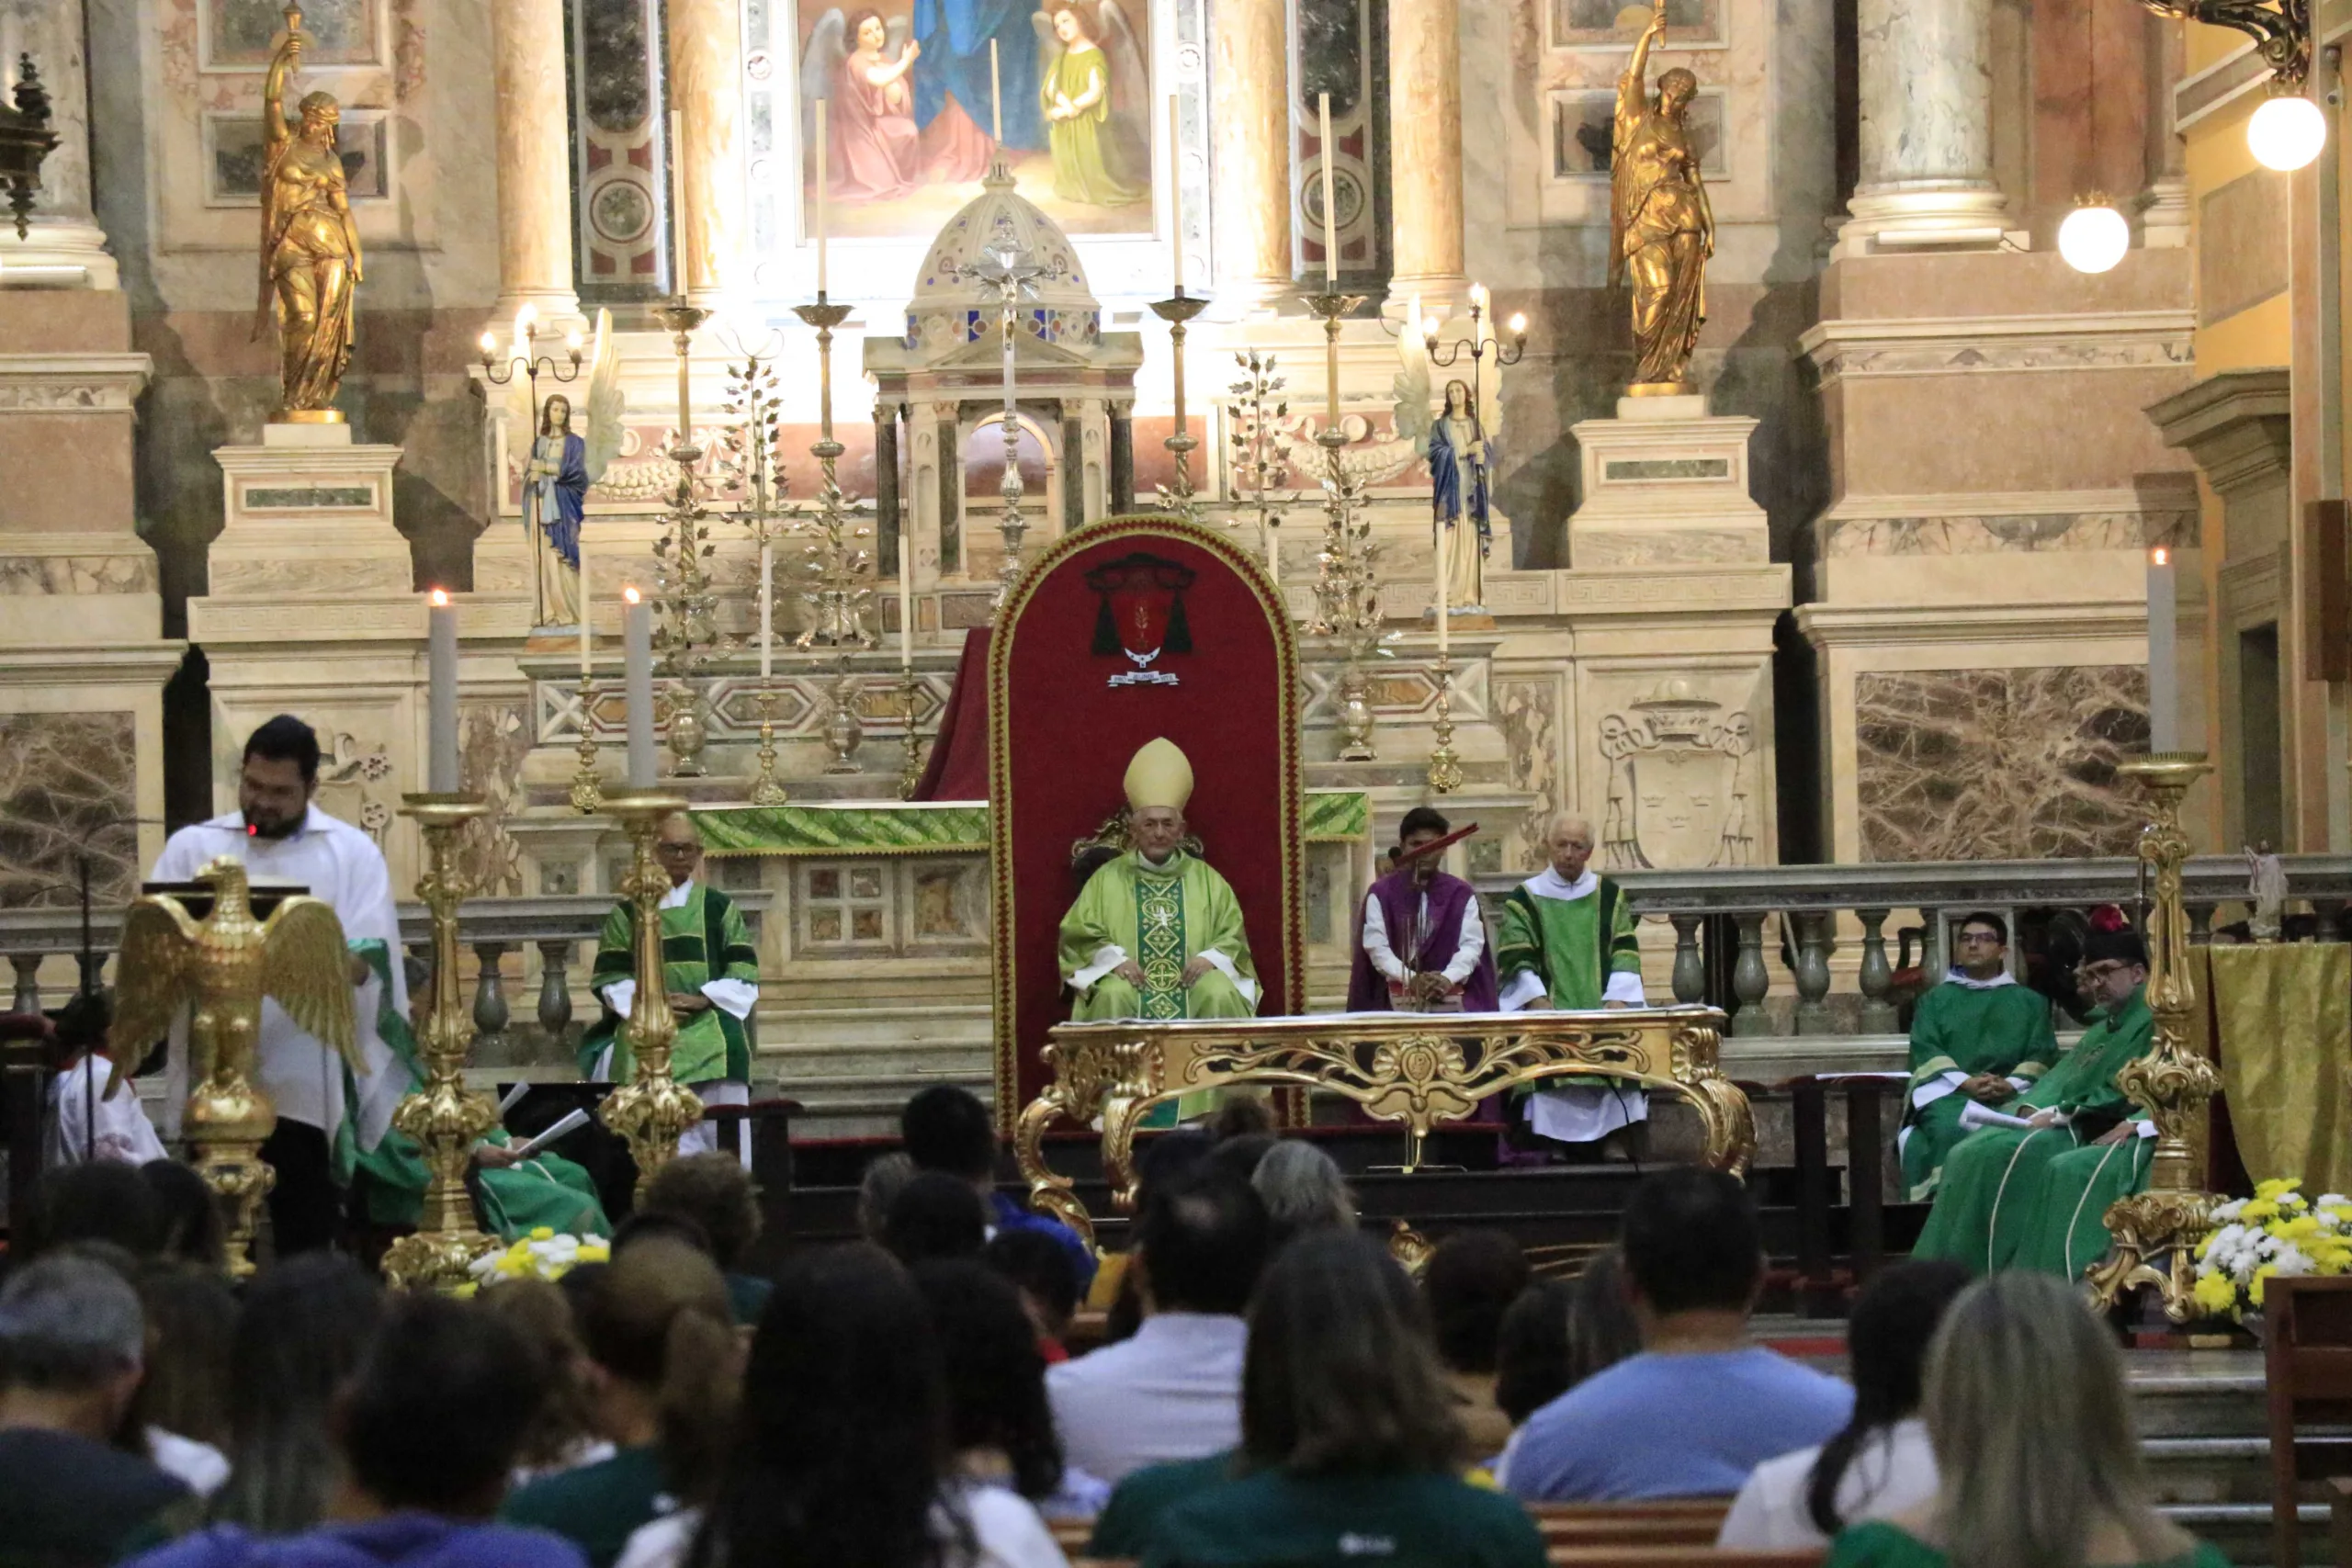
1423,944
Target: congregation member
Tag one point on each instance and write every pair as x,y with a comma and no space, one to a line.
2036,1457
947,1131
1471,1282
2036,1195
1001,1425
1978,1040
73,1347
187,1216
878,1185
565,1436
1039,1269
424,1436
180,1417
659,1332
1555,1334
1880,1463
710,973
1173,1391
1421,942
935,1216
1564,937
1301,1186
837,1454
716,1192
1701,1406
1348,1444
304,1325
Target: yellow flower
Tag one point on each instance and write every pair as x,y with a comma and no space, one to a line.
466,1292
2260,1208
2302,1227
595,1252
2215,1293
543,1232
2279,1187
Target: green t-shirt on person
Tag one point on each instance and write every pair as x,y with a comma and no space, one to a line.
1123,1528
1415,1520
1877,1544
597,1506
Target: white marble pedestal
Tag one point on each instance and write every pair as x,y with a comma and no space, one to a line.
1665,484
308,514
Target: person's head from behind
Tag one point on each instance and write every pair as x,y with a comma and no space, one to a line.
1341,1374
275,780
1691,1248
187,1216
878,1188
1602,1329
300,1333
2026,1409
841,1435
947,1129
1893,1322
1472,1280
1041,1269
716,1192
660,1224
1302,1190
541,1312
662,1353
998,1420
1201,1242
937,1215
73,1343
97,1201
191,1336
1559,1332
439,1408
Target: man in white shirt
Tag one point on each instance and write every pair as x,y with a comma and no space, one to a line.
1173,1391
326,1116
1423,944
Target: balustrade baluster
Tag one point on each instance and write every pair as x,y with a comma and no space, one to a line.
489,992
1933,965
1813,974
27,969
2331,919
555,992
2200,925
1749,979
1877,979
1690,963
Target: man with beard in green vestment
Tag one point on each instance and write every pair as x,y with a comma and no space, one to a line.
1978,1039
1157,933
2019,1196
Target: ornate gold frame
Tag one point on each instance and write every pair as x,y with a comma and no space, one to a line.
1398,1067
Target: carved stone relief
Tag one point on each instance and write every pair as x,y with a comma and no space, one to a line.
1682,782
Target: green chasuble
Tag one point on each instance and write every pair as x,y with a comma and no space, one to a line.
1996,1191
1162,917
1965,1029
1570,946
702,939
1081,171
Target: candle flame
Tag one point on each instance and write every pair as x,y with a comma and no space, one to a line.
630,594
1518,324
489,344
2160,556
440,598
1479,296
527,322
1430,328
573,342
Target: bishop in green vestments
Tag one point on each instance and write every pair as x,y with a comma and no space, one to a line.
1565,939
1157,932
1978,1039
2023,1196
711,972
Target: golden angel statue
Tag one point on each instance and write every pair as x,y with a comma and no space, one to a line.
220,968
1459,440
567,455
310,246
1661,230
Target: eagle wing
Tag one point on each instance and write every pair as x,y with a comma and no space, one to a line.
1410,388
607,405
152,975
306,969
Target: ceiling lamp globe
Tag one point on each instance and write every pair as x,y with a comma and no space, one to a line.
2093,238
2285,132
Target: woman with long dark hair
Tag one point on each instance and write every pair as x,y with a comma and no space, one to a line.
1001,1426
1880,1463
304,1325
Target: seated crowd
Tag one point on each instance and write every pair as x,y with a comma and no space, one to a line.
1274,1388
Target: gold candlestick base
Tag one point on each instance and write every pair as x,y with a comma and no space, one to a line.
652,1111
910,741
1445,768
227,1121
769,789
445,1117
587,790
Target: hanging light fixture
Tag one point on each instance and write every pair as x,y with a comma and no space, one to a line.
2095,236
25,140
2285,132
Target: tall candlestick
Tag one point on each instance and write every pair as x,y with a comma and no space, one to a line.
2164,670
1331,209
767,609
587,613
906,598
678,198
824,178
1444,620
996,98
1175,194
441,696
637,637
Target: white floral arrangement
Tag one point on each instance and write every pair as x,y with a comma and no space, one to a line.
2278,1230
542,1255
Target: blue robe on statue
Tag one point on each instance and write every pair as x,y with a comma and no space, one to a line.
1457,485
562,498
955,36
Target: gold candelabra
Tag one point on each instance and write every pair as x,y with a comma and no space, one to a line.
688,631
1176,311
911,741
839,571
587,790
768,790
2156,1229
1445,768
445,1117
1347,597
652,1111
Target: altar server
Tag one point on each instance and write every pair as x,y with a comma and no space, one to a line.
1422,944
1978,1039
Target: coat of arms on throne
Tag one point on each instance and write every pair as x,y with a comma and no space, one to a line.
1141,618
1681,782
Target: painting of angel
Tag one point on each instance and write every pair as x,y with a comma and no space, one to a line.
560,467
872,151
1102,157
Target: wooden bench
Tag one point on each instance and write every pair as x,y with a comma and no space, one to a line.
2307,1367
1674,1522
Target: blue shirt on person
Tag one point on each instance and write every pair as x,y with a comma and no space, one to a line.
1007,1214
1681,1425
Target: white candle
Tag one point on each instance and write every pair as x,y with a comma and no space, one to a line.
1175,194
678,197
587,611
1331,209
527,320
2163,670
767,608
1445,532
996,98
906,596
441,695
637,627
823,179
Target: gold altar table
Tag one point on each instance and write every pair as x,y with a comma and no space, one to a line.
1416,1068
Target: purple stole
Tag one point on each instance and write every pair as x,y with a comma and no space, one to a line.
1399,903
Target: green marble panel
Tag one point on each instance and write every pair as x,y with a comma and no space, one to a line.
938,828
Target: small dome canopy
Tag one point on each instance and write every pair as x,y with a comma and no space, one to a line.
951,309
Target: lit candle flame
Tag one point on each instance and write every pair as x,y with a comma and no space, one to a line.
2160,556
440,598
630,594
1519,326
1430,328
489,344
573,342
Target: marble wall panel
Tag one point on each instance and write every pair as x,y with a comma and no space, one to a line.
1999,764
69,785
2241,244
2041,531
1529,714
492,740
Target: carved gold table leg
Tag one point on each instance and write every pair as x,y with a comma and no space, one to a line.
652,1111
227,1121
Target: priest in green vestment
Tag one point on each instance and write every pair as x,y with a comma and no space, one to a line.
2019,1196
1565,939
711,972
1978,1039
1157,932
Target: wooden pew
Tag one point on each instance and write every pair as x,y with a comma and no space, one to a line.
2308,1368
1692,1521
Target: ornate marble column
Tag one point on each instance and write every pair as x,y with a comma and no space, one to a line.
707,86
534,161
65,248
1249,141
1425,151
1926,130
2165,215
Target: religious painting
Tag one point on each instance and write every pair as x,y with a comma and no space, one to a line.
1615,24
915,94
1584,120
237,35
233,156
